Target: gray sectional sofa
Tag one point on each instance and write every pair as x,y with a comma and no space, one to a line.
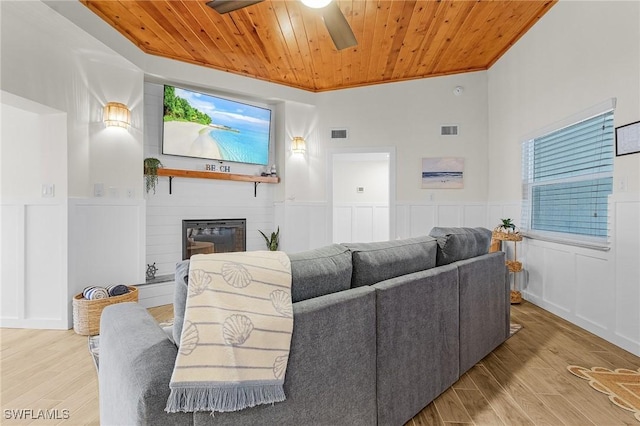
380,330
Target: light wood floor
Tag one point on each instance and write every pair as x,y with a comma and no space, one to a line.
523,382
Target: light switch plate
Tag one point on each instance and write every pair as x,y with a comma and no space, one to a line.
98,190
48,190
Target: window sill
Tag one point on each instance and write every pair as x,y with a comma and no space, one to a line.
588,243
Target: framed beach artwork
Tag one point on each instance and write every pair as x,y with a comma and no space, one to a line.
443,173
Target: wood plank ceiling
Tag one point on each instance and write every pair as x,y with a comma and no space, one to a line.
286,42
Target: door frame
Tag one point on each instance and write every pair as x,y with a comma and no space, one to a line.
391,178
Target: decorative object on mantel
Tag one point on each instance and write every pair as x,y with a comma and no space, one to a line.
151,166
272,243
508,231
151,271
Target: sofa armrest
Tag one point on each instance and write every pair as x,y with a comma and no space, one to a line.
136,363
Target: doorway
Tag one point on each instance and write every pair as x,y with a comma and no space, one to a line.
362,194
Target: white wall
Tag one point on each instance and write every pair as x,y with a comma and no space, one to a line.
33,230
408,115
579,55
50,62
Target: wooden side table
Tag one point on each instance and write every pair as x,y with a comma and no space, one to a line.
514,265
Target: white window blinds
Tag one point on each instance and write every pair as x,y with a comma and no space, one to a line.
567,178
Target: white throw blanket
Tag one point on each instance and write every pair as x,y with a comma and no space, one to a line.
236,336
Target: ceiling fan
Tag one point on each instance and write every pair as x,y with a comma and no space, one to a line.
334,20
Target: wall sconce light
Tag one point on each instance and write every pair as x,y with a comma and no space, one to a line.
298,145
117,114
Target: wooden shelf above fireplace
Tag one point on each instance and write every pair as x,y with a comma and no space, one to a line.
196,174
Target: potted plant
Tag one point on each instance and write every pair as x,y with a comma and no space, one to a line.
151,166
507,226
506,231
272,243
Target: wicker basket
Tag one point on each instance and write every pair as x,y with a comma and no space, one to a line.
86,313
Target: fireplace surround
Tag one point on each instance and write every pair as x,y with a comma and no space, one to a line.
204,236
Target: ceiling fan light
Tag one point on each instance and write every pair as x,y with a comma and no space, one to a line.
316,4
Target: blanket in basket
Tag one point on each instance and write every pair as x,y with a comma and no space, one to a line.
236,336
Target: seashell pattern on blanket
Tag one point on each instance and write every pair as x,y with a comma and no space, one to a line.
281,301
280,366
236,275
189,339
199,281
236,329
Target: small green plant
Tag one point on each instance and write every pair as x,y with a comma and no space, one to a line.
151,166
507,225
272,243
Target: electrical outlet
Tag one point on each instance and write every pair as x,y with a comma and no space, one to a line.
113,192
131,193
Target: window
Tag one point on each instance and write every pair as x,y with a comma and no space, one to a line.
567,178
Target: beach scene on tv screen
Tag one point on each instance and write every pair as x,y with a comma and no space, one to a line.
204,126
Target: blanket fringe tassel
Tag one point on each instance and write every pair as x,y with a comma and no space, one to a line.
222,399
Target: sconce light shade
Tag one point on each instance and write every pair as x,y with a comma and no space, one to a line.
298,145
117,114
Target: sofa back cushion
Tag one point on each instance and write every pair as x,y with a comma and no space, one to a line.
460,243
379,261
313,273
320,271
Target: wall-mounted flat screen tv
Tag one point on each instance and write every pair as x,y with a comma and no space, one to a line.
205,126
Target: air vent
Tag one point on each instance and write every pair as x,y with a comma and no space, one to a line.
449,130
339,134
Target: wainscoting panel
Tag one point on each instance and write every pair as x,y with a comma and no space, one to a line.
596,290
381,223
627,271
361,223
44,263
422,218
12,262
475,215
559,278
34,264
342,221
450,216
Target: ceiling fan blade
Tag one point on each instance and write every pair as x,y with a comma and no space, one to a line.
338,27
226,6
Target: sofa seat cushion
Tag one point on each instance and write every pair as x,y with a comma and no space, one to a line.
460,243
379,261
321,271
